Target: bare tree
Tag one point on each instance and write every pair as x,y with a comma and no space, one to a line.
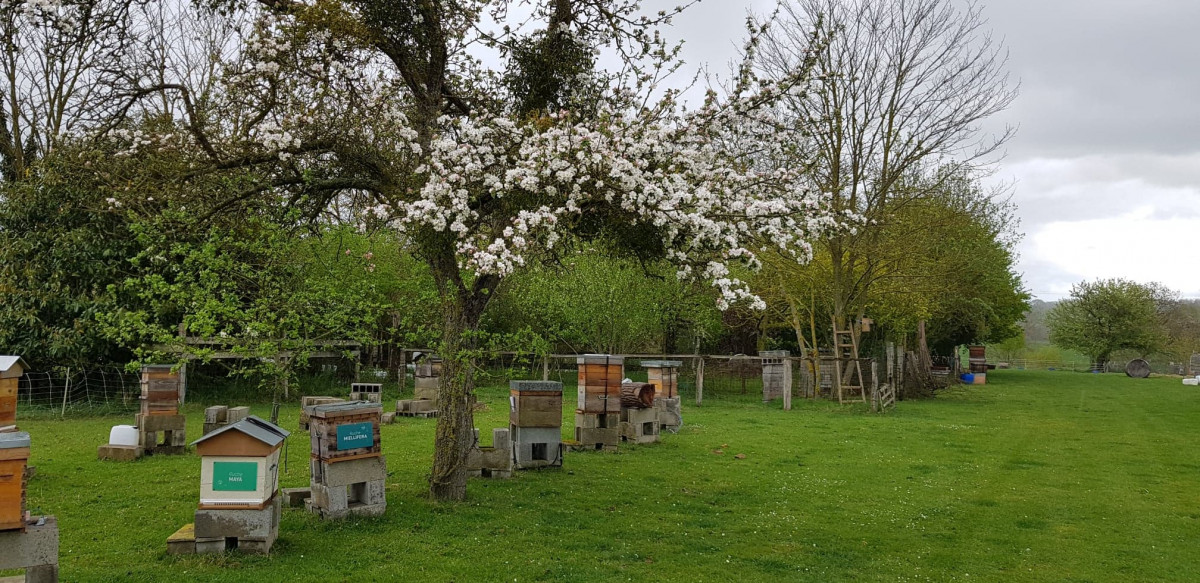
58,72
900,89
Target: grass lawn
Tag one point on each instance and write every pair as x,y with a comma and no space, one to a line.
1038,476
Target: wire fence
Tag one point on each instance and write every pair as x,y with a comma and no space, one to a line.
725,377
104,389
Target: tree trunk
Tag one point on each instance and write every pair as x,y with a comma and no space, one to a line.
456,402
462,308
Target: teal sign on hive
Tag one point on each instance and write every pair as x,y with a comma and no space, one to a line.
235,476
355,435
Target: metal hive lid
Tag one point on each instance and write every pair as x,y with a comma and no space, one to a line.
14,439
662,363
255,427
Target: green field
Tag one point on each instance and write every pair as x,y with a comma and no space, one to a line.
1038,476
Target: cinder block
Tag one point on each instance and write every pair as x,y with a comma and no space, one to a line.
210,546
402,405
372,397
35,547
670,413
364,499
236,414
388,418
119,453
183,542
216,414
249,524
330,499
422,405
42,574
608,437
295,497
597,421
639,425
348,472
535,447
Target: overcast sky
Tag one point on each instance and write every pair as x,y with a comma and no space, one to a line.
1106,161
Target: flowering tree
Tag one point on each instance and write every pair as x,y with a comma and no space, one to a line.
381,112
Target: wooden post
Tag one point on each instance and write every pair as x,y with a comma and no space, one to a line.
699,381
875,401
402,374
546,367
787,388
66,391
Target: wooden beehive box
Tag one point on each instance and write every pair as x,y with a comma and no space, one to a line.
600,377
345,431
240,464
14,455
664,375
11,370
535,403
428,367
162,389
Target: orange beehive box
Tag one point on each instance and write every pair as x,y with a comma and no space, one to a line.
664,375
599,389
14,454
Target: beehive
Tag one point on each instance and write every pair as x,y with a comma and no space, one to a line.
599,389
664,375
535,403
14,454
427,378
162,389
345,431
11,370
240,464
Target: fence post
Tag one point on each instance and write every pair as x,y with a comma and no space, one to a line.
66,391
787,390
546,367
699,381
875,401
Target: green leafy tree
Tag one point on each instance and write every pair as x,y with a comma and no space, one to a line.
60,249
1108,315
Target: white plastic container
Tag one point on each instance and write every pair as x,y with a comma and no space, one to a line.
1191,382
123,435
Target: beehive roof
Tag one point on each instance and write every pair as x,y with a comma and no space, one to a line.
7,362
255,427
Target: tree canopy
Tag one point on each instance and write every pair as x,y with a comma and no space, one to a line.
1105,316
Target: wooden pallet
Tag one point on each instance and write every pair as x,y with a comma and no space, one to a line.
422,414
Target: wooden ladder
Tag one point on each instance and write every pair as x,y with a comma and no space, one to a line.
847,368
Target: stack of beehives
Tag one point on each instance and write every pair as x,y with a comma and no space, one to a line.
664,375
598,411
977,363
535,423
427,378
163,390
25,542
347,464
